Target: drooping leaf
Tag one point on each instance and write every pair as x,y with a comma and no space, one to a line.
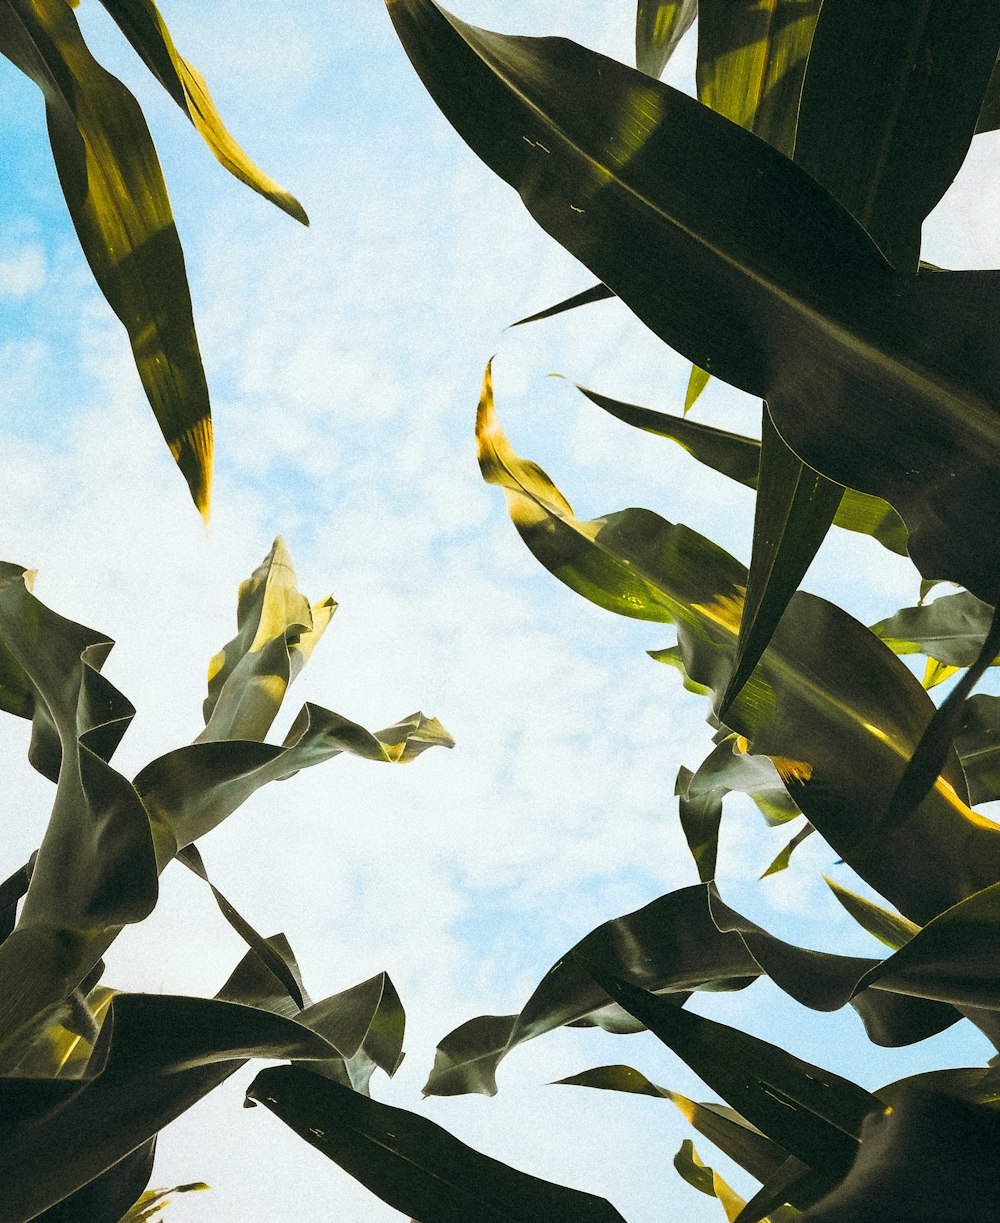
738,457
839,725
277,630
659,27
889,107
117,199
951,629
141,23
698,1175
932,1155
413,1164
813,1114
888,927
700,816
751,61
165,1054
815,320
686,940
796,506
978,745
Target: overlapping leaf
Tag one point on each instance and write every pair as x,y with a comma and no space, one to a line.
880,384
888,927
840,726
142,24
978,745
951,629
738,457
413,1164
659,27
117,199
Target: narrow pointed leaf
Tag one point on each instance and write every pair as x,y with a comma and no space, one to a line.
700,816
117,199
796,506
659,27
840,726
783,860
738,457
706,1180
148,1207
141,23
411,1163
978,744
889,107
888,927
697,382
815,321
815,1115
598,293
989,114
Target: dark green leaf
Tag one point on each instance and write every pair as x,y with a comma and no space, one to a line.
951,629
889,107
750,270
932,1156
839,724
413,1164
116,196
659,27
738,457
813,1114
142,25
989,115
978,744
598,293
700,815
795,508
110,1195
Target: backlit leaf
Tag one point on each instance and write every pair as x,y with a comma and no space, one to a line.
659,27
115,193
951,629
978,744
887,927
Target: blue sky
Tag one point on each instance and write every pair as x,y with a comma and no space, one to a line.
345,363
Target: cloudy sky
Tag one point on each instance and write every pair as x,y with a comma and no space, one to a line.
345,363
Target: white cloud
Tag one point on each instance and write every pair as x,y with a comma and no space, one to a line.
22,273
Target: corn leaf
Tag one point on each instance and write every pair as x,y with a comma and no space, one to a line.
141,23
597,293
989,115
889,107
888,927
117,199
978,744
738,457
147,1208
783,860
659,27
880,384
411,1163
950,630
931,1156
813,1114
110,1195
839,726
686,940
697,381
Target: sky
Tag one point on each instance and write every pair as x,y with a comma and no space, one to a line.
345,363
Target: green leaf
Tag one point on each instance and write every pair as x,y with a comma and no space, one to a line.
165,1054
738,457
686,940
815,1115
932,1155
697,382
839,724
147,1208
978,744
700,816
989,115
110,1195
597,293
117,199
889,108
706,1180
723,1126
141,23
276,632
659,27
411,1163
953,959
750,270
795,508
951,629
751,61
888,927
783,860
